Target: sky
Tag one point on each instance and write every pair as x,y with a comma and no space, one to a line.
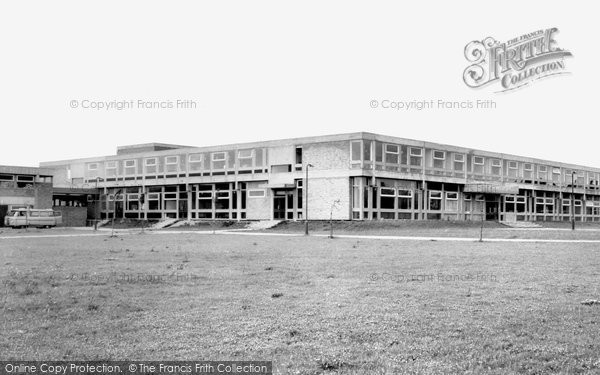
250,71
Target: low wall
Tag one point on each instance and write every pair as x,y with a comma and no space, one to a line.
72,216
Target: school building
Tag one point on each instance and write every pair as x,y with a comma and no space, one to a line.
357,176
24,187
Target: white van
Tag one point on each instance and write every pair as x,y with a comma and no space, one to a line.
24,217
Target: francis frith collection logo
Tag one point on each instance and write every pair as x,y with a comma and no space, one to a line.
515,63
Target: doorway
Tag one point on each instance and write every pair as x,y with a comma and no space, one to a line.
279,207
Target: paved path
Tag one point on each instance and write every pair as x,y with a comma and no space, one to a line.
129,232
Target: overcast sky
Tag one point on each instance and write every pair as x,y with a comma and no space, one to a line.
261,70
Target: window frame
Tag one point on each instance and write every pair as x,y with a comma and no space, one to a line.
250,193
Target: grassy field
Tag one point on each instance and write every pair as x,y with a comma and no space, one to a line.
311,305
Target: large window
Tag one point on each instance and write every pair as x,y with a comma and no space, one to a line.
513,169
451,201
171,164
195,162
130,167
459,162
404,199
542,172
496,167
150,165
111,168
392,153
528,171
356,151
245,158
435,200
439,158
478,164
218,160
388,197
416,156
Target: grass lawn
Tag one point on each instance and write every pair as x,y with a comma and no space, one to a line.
311,305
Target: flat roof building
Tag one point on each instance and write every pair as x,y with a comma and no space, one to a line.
24,187
370,176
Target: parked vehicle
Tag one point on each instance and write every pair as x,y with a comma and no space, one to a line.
27,217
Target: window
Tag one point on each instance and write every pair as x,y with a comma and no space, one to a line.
367,150
171,163
415,156
130,167
440,155
378,152
388,192
299,155
92,166
556,174
256,193
404,199
218,160
150,165
459,162
478,163
435,200
387,197
438,158
245,158
496,167
355,150
391,154
195,162
542,172
451,201
111,168
528,171
513,169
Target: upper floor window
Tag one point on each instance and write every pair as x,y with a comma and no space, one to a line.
391,154
299,155
416,156
130,167
195,162
438,158
150,165
218,160
355,150
245,158
92,166
111,168
542,172
496,167
478,164
459,162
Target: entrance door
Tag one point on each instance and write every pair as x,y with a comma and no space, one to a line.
183,209
491,208
118,209
279,207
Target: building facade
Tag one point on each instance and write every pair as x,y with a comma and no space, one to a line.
24,187
357,176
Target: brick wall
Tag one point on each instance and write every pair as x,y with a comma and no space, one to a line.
72,216
40,196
